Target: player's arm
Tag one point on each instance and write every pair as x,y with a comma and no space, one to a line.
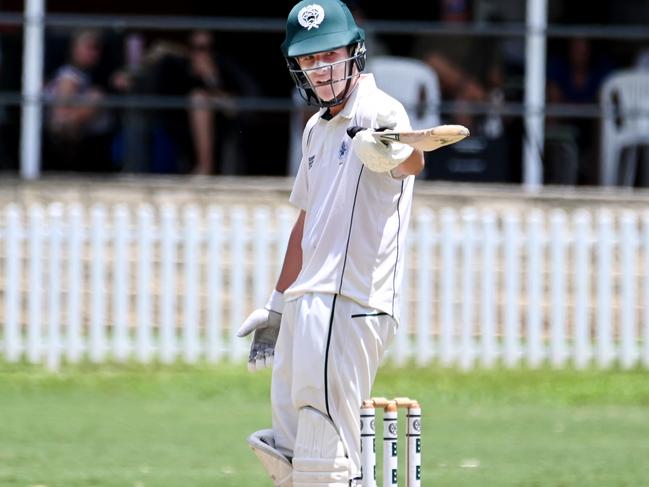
265,322
411,166
293,257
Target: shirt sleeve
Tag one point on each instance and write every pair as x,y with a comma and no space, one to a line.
299,194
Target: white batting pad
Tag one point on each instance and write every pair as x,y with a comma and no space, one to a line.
277,465
319,458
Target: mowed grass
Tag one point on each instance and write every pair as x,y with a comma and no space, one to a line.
180,426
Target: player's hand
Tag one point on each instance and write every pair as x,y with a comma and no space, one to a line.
379,156
265,323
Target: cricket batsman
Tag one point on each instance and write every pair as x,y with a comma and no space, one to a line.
335,307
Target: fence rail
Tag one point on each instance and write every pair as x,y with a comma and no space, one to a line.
171,283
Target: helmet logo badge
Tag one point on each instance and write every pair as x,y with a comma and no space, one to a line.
311,16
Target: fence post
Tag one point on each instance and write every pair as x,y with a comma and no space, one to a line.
192,279
53,353
645,286
31,119
260,244
488,304
467,346
447,280
511,249
605,349
238,237
582,281
168,294
214,283
13,278
425,289
628,244
144,305
98,344
558,232
75,238
535,280
534,92
121,288
35,236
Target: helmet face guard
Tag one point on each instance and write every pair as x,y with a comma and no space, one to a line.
308,90
315,26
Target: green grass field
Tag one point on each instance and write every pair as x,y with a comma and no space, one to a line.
135,426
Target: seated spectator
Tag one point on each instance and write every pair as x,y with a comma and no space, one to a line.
574,76
469,68
77,129
132,150
206,76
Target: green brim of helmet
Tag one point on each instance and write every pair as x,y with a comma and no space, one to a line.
318,43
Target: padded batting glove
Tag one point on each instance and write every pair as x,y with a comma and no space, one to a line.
265,323
379,156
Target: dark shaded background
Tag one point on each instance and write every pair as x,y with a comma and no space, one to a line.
259,53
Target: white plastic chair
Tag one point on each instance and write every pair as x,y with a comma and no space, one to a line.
413,83
624,102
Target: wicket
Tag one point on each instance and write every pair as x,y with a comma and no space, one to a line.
390,441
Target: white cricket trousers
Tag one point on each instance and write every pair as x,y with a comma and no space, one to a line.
327,354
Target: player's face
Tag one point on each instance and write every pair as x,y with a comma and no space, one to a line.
326,71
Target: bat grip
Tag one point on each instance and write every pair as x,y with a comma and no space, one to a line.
354,129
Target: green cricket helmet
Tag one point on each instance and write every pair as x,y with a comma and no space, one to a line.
319,26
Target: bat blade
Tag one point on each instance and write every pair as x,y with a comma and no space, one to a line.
427,140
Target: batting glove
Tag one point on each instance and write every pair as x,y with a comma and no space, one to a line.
265,323
379,156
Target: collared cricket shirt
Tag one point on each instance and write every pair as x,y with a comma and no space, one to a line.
356,219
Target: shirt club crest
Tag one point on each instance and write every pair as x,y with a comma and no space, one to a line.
341,152
311,16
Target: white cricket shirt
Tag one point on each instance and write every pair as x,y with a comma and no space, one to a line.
356,220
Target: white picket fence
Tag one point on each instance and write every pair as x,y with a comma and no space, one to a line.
482,287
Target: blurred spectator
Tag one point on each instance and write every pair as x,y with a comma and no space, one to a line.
131,146
642,59
469,68
575,74
78,130
206,75
511,48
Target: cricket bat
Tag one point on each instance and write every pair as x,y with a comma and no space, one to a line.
429,139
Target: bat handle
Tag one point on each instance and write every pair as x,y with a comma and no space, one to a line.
354,129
